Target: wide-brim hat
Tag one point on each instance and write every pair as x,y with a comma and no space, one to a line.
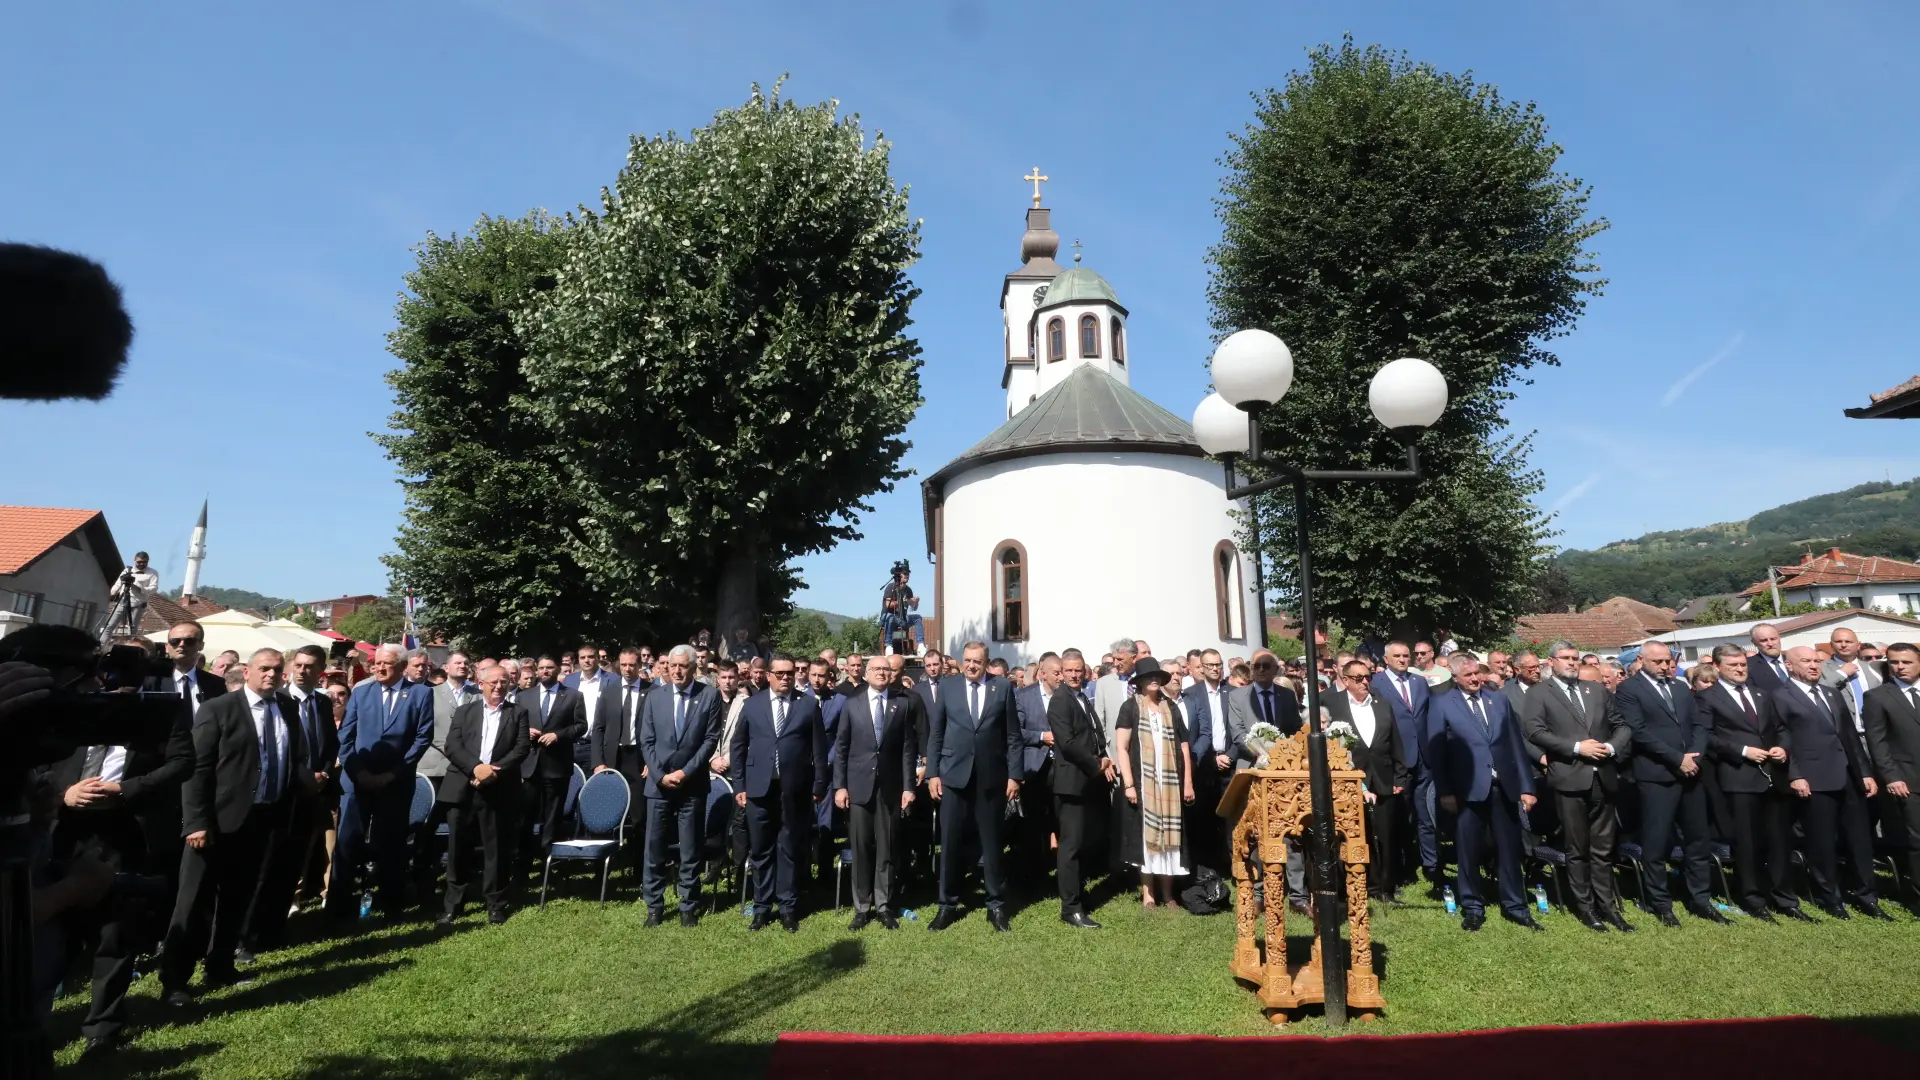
1147,669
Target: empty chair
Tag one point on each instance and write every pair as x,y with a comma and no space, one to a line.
604,799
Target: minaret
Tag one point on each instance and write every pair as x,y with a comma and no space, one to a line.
1018,297
196,553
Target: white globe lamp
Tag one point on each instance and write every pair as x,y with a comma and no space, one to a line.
1220,428
1408,395
1252,368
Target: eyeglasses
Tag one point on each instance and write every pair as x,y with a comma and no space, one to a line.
182,642
787,674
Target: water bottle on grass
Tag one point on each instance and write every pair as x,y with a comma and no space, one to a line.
1453,906
366,905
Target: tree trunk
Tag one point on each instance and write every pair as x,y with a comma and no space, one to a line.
737,598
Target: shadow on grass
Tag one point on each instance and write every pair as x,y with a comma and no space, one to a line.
691,1042
171,1063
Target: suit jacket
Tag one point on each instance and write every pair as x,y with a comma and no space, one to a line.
226,763
1193,702
800,749
665,753
149,786
211,685
566,718
1382,759
322,740
1077,744
1730,732
1463,754
1821,749
510,748
962,751
1662,734
1554,725
865,766
1761,675
1411,719
433,763
1516,693
1872,674
1243,713
374,740
1893,735
1028,702
830,709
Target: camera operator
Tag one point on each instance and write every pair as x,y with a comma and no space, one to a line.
899,609
118,808
187,680
138,583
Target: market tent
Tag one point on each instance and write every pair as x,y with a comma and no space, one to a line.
243,633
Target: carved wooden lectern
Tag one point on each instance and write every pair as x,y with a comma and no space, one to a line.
1266,807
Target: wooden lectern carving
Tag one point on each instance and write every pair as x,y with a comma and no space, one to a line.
1266,807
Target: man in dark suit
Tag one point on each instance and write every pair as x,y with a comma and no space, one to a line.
386,730
1034,837
312,812
1893,741
974,762
599,691
777,763
679,727
818,683
1575,727
1527,674
1827,769
1376,752
556,717
481,790
1668,742
248,757
873,763
1406,691
1767,668
1209,735
1082,786
1478,760
187,679
1748,750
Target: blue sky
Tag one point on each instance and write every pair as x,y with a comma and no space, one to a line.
254,176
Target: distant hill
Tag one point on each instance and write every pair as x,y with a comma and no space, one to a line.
834,622
238,598
1670,568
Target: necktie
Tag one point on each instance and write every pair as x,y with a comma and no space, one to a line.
96,763
1567,686
1779,668
389,703
626,715
679,713
1666,695
546,702
1747,704
1820,700
779,716
269,752
1480,710
1266,705
879,708
310,722
1913,695
973,701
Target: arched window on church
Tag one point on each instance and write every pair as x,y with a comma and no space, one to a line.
1229,593
1009,591
1056,339
1089,336
1119,346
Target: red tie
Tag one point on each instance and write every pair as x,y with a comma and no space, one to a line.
1406,691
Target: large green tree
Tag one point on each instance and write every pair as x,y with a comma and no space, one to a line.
1377,208
489,529
723,366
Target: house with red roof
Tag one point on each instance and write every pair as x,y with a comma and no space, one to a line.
55,567
1859,581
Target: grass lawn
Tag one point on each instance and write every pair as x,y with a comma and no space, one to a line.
580,992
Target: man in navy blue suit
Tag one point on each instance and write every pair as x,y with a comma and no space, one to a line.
1210,736
818,684
1830,774
388,726
1478,758
1034,839
1767,668
974,766
1669,743
779,770
679,728
1406,690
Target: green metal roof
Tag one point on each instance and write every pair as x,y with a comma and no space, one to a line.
1088,410
1079,286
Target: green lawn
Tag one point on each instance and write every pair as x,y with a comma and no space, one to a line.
581,992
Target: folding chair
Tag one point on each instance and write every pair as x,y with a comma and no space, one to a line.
716,845
603,818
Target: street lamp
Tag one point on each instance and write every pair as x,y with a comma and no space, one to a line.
1252,370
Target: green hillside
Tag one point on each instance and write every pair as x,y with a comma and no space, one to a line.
1670,568
238,598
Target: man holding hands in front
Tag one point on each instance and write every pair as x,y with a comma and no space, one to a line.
974,752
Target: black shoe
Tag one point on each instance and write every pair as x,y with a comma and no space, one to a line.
1872,911
947,917
243,956
1711,914
1798,915
99,1046
689,919
654,918
1619,922
1473,920
1761,914
888,919
496,918
444,922
760,919
790,921
1524,919
178,998
1436,892
1666,917
1837,911
997,918
1301,908
1594,923
860,920
1079,919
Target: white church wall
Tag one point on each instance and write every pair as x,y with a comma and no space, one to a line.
1023,386
1116,544
1052,372
1017,313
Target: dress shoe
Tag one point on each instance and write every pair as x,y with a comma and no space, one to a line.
1798,915
1473,920
1837,911
860,920
689,919
888,919
99,1046
1524,919
444,922
1618,922
1711,914
997,918
1666,917
947,917
243,956
1079,919
790,921
654,918
179,998
496,918
1761,914
1872,911
760,919
1300,908
1594,923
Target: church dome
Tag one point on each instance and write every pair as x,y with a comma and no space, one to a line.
1079,286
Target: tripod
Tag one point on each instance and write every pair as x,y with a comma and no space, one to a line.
122,610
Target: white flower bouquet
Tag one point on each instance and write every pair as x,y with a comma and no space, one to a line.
1260,739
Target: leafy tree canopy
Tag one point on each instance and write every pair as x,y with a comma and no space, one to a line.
378,623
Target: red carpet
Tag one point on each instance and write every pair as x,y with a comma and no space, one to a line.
1799,1046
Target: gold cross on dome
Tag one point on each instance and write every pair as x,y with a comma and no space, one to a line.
1036,178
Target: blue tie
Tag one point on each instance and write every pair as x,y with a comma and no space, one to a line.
679,713
879,717
269,756
310,720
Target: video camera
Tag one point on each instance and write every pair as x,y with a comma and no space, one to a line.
117,715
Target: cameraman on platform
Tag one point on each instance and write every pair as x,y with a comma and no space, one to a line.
898,609
138,583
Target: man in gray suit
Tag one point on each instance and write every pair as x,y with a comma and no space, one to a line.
1576,729
1265,701
1110,692
679,728
1847,670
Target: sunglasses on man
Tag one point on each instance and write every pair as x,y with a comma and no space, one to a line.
182,642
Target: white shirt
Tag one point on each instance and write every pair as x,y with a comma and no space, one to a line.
261,709
187,686
114,769
590,689
145,583
1362,717
1217,709
630,721
489,730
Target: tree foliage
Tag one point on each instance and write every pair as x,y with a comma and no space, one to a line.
722,366
805,634
1378,208
378,623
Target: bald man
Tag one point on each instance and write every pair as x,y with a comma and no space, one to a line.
1669,742
1831,780
387,727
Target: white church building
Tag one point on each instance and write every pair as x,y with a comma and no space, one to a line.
1091,514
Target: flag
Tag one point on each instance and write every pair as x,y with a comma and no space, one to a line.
409,637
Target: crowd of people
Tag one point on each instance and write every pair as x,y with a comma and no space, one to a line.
288,785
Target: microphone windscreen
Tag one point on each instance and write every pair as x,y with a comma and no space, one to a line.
63,330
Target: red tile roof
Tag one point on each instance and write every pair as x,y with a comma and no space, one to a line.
163,614
1838,567
1905,387
1656,620
28,532
1590,629
1802,622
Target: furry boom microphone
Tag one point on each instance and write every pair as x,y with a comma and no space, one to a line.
63,332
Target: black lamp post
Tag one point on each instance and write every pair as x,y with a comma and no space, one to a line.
1252,370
